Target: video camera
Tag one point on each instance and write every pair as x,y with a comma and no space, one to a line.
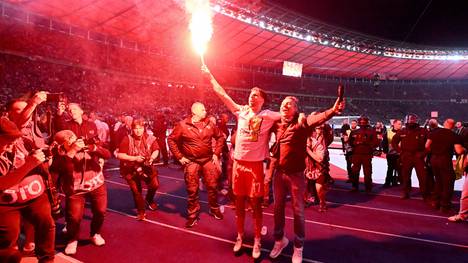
56,97
89,141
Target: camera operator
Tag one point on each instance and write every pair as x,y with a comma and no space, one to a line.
80,176
22,194
80,127
22,112
136,154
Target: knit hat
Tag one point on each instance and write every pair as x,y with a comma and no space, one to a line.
9,129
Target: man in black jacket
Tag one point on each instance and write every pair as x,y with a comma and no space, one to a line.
191,143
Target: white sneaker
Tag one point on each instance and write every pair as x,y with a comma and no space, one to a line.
297,255
70,249
278,247
98,240
238,245
29,247
257,248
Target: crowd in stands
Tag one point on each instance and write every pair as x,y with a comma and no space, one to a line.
122,80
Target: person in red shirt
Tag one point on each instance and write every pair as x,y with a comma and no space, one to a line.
137,153
290,153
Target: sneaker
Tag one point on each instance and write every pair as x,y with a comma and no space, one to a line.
457,218
152,205
238,245
278,247
29,247
257,248
70,249
98,240
141,216
323,207
191,222
216,213
297,255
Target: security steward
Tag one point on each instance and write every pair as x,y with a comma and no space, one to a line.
191,142
363,141
410,143
441,143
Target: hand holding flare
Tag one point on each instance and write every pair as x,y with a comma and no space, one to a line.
201,25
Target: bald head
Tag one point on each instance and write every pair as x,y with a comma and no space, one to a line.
76,112
449,124
198,111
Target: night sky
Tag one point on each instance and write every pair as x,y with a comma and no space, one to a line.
444,23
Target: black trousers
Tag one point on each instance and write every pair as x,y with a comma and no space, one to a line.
410,160
393,169
135,181
444,176
37,212
163,148
349,164
364,160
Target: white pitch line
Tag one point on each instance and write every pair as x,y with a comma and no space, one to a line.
356,206
333,188
202,234
337,226
389,210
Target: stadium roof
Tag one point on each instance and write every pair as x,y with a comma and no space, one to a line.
247,37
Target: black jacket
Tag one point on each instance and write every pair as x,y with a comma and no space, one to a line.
186,140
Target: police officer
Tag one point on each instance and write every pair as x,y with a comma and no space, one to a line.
363,141
410,142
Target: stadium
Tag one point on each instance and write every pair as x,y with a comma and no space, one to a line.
135,58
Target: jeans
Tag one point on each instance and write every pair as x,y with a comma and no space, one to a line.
38,213
134,181
296,184
75,209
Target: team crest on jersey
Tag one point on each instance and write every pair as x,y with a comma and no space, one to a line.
255,123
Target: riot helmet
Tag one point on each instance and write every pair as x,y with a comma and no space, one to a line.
411,120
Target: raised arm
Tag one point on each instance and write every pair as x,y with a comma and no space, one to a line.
27,112
318,119
220,92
